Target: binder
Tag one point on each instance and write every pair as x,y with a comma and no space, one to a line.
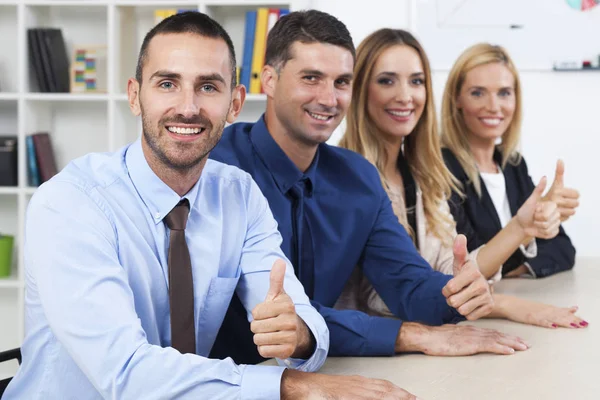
258,56
248,49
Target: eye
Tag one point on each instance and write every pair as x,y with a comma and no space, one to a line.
476,93
342,82
310,78
385,81
418,81
208,88
505,93
166,85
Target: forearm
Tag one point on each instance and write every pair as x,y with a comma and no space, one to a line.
354,333
502,306
491,256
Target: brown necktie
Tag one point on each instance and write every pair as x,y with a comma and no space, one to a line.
181,287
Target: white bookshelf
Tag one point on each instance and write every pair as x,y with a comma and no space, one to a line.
82,123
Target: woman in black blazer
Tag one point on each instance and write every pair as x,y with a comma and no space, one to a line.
481,118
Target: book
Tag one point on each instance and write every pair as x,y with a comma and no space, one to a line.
44,156
33,173
8,161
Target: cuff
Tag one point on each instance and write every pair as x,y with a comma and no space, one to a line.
496,277
531,250
316,324
382,335
261,382
531,274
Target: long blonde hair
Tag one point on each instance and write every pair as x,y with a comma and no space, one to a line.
422,149
453,124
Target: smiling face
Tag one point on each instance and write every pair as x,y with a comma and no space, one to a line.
397,92
185,98
311,92
487,100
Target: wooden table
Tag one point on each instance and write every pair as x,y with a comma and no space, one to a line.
561,364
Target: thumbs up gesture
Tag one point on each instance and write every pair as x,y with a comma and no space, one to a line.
538,217
276,326
468,292
566,199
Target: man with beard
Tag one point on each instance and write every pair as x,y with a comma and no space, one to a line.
131,258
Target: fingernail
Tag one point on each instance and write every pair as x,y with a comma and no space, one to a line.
583,323
574,325
554,326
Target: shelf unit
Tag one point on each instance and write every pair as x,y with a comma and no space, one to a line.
82,123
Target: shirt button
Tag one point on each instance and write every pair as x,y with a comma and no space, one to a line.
157,216
287,362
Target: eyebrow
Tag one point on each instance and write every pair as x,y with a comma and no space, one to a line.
484,88
162,74
395,75
316,72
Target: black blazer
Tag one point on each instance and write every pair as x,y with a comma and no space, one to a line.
478,220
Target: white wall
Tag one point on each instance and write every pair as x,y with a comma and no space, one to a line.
561,113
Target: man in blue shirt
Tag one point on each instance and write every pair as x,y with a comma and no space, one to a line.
334,214
102,271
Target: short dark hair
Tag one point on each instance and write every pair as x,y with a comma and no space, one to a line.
187,22
309,26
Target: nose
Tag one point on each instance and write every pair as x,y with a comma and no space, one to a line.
403,94
188,103
327,96
493,104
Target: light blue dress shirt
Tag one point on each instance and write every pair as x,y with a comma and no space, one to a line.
97,303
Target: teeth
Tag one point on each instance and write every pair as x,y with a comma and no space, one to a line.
400,113
491,121
184,131
319,116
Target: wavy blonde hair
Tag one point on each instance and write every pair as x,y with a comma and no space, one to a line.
422,149
453,124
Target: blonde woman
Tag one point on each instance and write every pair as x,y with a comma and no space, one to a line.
392,122
481,107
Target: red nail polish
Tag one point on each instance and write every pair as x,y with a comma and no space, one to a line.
574,325
583,323
554,326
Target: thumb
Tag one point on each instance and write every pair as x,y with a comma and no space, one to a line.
537,193
460,254
560,173
277,275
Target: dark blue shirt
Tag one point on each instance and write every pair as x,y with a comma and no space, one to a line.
351,223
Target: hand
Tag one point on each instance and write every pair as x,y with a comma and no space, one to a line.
276,326
566,199
457,340
468,291
313,386
539,314
539,218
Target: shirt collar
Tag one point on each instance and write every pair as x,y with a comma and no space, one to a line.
156,195
283,170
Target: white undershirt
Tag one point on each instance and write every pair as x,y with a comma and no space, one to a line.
496,187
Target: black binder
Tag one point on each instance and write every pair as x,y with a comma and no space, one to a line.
8,161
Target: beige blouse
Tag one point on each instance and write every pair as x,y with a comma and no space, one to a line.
359,294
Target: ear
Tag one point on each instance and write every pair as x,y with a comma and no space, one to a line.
268,78
133,95
237,102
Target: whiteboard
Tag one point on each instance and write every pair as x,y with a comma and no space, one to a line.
536,33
